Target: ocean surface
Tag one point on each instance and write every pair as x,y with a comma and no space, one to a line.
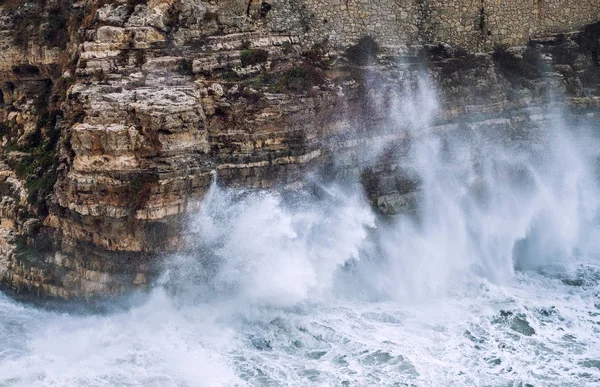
535,331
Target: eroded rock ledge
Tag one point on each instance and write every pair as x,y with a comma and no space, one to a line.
114,115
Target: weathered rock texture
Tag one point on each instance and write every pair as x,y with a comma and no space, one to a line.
115,115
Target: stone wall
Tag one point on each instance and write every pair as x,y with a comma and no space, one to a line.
487,23
472,24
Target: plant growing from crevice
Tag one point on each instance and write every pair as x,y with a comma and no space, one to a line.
30,251
300,79
252,57
24,253
38,165
481,18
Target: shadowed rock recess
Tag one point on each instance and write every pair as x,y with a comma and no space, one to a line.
114,114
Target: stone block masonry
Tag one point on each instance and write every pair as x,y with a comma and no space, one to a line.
472,24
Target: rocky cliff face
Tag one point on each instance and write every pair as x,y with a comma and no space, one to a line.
115,117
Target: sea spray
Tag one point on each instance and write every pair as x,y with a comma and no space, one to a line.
255,246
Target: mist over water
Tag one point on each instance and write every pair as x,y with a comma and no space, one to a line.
494,279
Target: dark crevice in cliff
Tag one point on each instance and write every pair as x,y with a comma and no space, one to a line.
131,5
518,69
589,40
363,53
482,17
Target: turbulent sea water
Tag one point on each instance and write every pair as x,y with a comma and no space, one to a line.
494,280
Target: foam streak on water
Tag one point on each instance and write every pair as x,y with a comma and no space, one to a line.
494,280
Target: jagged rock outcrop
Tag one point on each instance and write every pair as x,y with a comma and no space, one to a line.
115,115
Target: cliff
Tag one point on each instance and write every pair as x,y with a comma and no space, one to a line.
114,115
